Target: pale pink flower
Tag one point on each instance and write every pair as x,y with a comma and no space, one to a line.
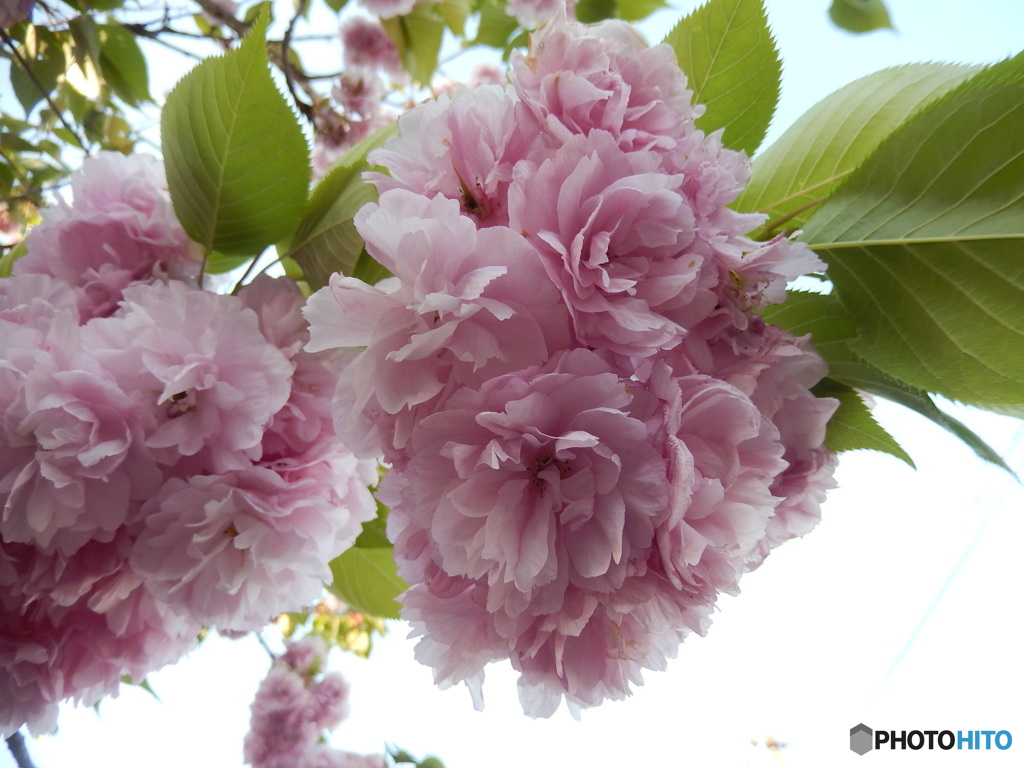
465,304
120,228
614,232
237,549
73,465
388,9
331,693
78,647
14,11
616,512
485,73
461,145
366,45
577,78
532,13
211,379
281,729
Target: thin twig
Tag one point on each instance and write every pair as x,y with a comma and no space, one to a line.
42,90
286,64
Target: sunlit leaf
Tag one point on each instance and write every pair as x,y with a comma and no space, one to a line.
367,580
454,13
924,243
635,10
417,36
124,66
825,318
237,162
794,175
853,428
45,59
730,60
860,16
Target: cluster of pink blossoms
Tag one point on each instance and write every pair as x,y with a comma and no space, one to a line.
167,458
294,705
590,429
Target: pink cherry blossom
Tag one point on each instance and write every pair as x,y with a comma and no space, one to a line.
461,145
577,78
614,231
532,13
237,549
120,228
211,380
365,44
388,9
465,304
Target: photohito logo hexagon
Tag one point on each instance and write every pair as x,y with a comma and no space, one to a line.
860,739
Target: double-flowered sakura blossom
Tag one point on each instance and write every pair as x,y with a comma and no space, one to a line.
294,705
591,431
167,454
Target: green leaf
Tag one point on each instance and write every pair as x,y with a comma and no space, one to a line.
590,11
794,175
924,244
860,15
43,54
825,318
237,162
13,253
374,534
731,63
635,10
853,428
336,5
367,580
326,240
123,65
495,26
417,36
455,13
218,263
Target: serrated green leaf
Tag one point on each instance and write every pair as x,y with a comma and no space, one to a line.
798,172
635,10
455,13
11,255
124,66
237,162
417,36
367,580
853,427
326,240
85,33
591,11
369,270
730,60
825,318
374,534
924,244
860,16
45,58
495,26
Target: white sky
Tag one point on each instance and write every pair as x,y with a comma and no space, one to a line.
899,611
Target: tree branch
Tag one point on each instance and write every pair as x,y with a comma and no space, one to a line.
16,743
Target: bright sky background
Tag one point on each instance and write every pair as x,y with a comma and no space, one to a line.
899,611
